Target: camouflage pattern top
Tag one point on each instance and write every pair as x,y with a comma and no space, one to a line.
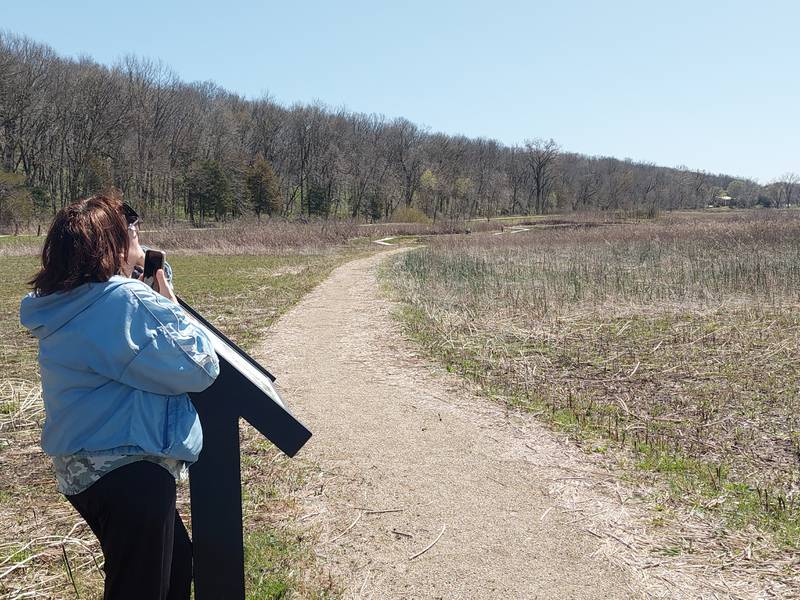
76,472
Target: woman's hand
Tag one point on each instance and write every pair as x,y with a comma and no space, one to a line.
160,284
162,287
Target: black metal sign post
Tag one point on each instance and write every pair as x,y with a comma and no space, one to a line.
242,389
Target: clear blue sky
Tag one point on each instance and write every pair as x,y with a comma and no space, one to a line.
709,84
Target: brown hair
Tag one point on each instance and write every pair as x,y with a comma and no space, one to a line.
88,241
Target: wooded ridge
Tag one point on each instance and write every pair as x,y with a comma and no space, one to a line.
195,151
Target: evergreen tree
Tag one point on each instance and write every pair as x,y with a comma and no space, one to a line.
318,201
207,189
262,187
374,207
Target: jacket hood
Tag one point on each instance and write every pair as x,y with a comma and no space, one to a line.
44,315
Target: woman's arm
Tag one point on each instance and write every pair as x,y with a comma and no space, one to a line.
173,356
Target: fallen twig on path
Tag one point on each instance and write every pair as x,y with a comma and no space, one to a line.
364,585
309,516
403,533
377,511
620,540
381,512
431,545
594,533
353,524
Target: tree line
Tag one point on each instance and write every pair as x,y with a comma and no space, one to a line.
178,150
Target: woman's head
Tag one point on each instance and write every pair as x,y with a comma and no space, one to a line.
89,240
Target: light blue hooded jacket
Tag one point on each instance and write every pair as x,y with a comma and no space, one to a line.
117,360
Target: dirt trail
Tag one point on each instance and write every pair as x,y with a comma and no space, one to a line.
394,433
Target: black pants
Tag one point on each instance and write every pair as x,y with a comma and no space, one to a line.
148,554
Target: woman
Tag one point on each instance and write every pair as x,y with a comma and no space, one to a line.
116,361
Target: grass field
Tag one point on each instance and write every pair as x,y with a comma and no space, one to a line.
45,551
670,345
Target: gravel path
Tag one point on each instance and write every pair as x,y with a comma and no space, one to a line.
395,433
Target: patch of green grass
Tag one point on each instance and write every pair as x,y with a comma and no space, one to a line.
670,551
566,420
661,462
18,349
20,555
274,563
8,241
739,504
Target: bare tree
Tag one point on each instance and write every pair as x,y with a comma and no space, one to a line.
405,158
787,185
541,156
517,176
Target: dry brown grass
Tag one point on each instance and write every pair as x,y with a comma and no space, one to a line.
46,550
275,237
